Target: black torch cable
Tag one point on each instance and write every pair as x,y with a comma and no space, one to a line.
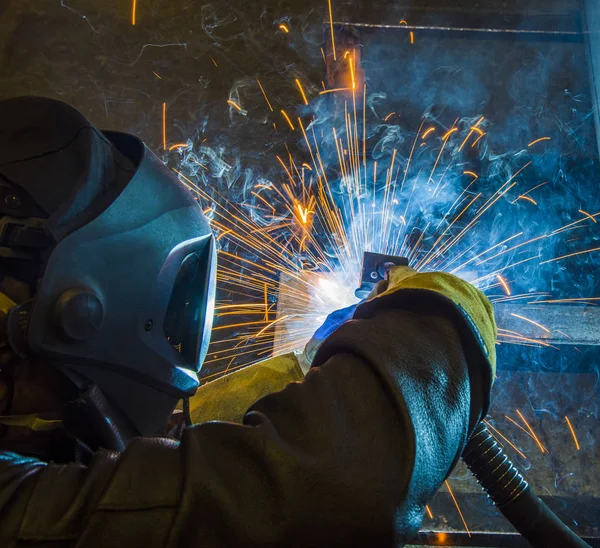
513,496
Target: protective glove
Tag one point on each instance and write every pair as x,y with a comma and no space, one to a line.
6,305
229,397
334,320
429,293
474,306
331,323
447,295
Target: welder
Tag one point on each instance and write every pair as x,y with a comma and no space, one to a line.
107,280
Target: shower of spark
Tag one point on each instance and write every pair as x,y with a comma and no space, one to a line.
299,239
350,179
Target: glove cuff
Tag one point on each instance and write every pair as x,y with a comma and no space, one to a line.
479,350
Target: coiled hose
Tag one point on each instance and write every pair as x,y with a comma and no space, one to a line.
512,495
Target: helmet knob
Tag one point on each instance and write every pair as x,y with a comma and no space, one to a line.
79,314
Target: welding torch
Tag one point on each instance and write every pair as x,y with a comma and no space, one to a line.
496,474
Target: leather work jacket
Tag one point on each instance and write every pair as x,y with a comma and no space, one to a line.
347,456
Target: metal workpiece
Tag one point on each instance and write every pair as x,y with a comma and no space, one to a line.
556,324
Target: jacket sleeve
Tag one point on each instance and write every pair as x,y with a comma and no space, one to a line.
349,456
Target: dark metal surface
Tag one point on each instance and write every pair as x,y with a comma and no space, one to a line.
561,25
480,540
487,527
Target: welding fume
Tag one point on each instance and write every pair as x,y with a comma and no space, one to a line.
107,293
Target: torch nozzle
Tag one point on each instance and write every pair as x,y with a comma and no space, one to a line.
375,267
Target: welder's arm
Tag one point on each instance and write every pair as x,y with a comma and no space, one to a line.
349,456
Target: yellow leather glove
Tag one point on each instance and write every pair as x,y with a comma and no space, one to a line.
229,397
407,287
6,304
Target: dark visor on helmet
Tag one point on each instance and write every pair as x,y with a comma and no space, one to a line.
184,323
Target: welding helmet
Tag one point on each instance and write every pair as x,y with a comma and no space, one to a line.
124,263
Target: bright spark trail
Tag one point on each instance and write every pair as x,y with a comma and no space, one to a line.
313,136
300,238
343,183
